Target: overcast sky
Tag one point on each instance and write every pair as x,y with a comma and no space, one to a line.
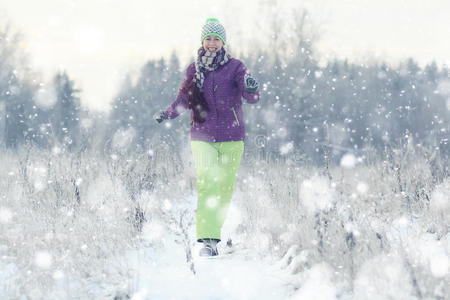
97,41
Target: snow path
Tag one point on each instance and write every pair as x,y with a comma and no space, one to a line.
240,275
165,274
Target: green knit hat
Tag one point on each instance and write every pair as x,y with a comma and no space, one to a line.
213,27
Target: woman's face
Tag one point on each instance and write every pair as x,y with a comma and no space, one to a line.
212,43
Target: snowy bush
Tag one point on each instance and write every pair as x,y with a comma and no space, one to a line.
383,277
316,283
68,219
378,224
63,227
317,194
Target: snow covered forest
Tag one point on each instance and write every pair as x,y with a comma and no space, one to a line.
343,191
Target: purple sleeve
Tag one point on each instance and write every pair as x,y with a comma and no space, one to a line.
240,73
180,104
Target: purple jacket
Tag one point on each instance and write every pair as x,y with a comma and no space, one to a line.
222,89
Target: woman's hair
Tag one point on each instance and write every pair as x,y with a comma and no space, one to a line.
196,101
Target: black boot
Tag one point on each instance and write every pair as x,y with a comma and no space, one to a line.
209,248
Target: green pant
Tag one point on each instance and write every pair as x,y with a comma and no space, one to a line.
216,165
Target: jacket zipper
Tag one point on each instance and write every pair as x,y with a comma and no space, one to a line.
234,112
214,97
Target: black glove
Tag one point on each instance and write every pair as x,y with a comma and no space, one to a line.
159,117
250,84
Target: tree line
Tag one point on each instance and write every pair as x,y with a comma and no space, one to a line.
305,106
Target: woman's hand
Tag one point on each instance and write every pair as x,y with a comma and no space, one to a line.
159,117
250,84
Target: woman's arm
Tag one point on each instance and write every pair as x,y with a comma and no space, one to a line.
242,74
180,104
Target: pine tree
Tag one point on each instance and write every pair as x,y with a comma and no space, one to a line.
66,112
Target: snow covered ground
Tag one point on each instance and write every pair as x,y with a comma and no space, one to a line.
241,275
238,273
363,231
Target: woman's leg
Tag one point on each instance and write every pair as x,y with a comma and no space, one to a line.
216,165
230,154
206,165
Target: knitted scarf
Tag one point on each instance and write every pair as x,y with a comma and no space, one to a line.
206,62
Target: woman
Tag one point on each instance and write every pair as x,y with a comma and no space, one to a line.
213,87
